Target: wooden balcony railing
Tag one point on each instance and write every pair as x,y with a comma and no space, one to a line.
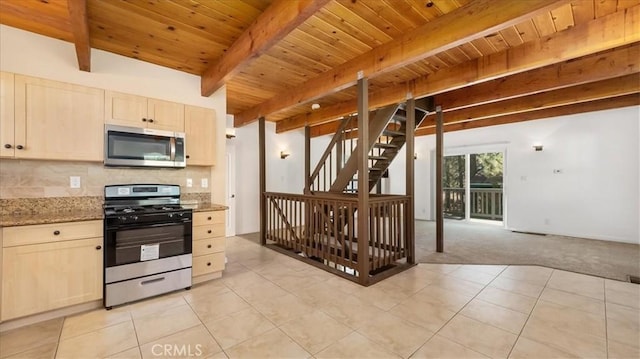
486,203
322,229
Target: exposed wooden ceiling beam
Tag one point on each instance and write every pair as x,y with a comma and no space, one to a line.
276,22
475,20
536,114
592,68
614,87
596,67
80,29
547,113
595,36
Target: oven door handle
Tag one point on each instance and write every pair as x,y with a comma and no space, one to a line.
146,225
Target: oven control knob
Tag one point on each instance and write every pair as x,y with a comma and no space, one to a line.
122,219
134,218
170,215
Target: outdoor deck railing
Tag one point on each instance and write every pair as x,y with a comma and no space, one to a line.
486,203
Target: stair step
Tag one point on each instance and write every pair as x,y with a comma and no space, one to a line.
385,145
399,117
392,133
380,158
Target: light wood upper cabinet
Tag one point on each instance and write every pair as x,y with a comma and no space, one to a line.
168,116
55,120
200,132
137,111
7,143
125,110
42,277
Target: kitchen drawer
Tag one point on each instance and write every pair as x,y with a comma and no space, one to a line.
209,263
211,217
208,246
210,231
43,233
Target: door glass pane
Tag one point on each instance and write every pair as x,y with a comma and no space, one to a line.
453,186
486,171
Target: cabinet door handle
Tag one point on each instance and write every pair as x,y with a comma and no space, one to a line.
144,120
7,146
55,233
187,156
98,248
19,147
208,264
150,120
208,246
209,231
208,218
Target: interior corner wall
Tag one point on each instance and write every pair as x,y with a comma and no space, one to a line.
31,54
596,194
282,175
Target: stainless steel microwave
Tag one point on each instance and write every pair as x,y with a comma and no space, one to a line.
143,147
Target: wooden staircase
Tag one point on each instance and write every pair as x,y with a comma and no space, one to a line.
329,225
387,130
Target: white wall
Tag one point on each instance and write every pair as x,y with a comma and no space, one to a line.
596,195
282,175
30,54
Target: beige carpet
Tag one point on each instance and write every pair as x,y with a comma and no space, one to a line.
479,243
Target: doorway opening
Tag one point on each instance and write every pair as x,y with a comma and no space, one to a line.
473,186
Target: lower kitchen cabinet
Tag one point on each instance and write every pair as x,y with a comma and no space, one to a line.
208,245
46,276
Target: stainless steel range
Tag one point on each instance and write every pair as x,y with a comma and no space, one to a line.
147,241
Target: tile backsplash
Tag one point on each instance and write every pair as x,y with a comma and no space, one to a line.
37,179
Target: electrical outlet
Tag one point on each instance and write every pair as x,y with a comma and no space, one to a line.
204,183
74,181
189,182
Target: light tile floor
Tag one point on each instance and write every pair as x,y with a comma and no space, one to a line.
269,305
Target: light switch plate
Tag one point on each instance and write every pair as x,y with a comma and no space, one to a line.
204,183
189,182
74,181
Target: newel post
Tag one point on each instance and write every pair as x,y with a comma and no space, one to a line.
363,180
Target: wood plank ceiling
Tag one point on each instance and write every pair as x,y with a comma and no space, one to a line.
501,69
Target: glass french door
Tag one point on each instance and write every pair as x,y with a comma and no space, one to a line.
473,186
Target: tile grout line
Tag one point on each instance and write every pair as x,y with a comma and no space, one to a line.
284,332
135,331
531,312
458,312
258,311
204,325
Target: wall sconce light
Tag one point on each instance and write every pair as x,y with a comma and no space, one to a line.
284,154
537,147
